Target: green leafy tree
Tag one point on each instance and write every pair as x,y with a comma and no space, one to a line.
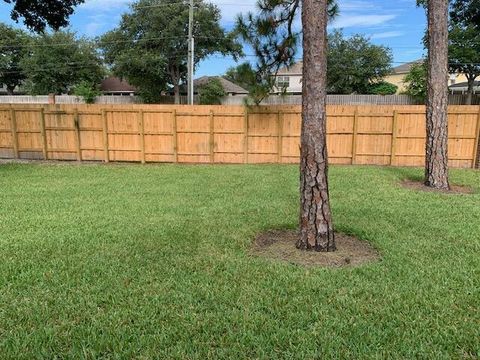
38,14
465,11
416,81
13,48
274,38
382,88
212,93
355,63
87,91
58,61
245,76
149,47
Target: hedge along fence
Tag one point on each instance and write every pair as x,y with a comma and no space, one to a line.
380,135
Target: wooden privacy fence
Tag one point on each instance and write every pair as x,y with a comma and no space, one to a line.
380,135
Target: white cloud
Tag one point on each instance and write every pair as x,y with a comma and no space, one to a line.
104,5
230,9
92,29
355,5
349,20
387,34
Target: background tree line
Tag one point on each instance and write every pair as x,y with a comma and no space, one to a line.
56,62
149,47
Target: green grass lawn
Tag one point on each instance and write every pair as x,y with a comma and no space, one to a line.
151,262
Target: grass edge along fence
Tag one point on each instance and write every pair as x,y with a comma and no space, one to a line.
374,135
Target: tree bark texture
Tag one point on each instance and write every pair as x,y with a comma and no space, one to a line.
175,78
436,164
176,92
316,226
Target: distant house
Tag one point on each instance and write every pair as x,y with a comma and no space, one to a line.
115,86
398,74
462,88
290,79
229,87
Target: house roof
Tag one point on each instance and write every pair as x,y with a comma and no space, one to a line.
462,85
115,84
295,69
405,68
228,86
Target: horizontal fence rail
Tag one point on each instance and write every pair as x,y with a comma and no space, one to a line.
377,135
453,99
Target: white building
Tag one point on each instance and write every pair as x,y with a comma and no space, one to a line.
290,79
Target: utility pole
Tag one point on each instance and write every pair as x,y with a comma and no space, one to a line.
191,61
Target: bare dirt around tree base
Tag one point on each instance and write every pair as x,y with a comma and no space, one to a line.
420,186
281,245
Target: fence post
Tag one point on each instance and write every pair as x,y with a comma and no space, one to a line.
175,138
394,137
141,126
476,148
212,138
280,136
105,135
76,123
245,135
13,124
354,140
44,134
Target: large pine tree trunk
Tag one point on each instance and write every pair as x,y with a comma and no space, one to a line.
316,227
436,165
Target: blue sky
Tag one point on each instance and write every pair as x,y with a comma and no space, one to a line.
398,24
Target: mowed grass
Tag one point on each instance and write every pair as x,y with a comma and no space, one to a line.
152,262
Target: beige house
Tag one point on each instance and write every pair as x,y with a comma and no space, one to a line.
398,75
290,79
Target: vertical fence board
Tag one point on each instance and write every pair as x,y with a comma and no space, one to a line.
280,136
175,136
212,137
394,137
78,144
13,124
142,135
44,134
105,136
355,135
245,136
476,147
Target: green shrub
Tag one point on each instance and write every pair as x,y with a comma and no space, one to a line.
212,93
416,81
383,88
87,91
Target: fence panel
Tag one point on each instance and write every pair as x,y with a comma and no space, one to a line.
375,135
